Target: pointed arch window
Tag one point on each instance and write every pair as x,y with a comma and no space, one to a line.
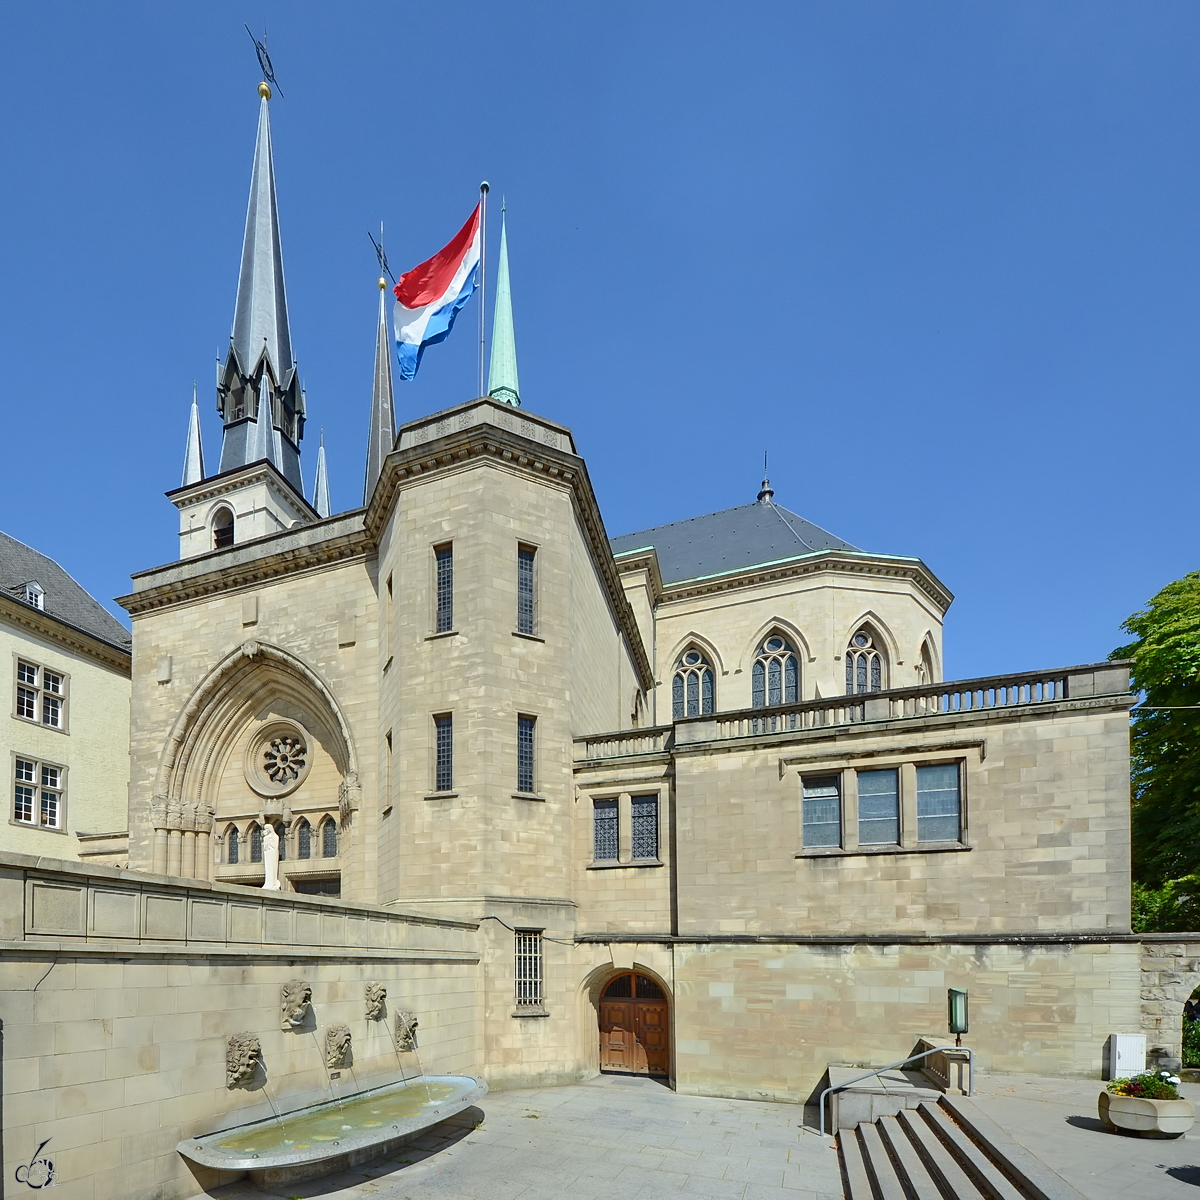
776,676
256,843
864,663
232,846
692,689
329,840
304,839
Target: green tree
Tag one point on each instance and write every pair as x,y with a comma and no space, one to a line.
1166,746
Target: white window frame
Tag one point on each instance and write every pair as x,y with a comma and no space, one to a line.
40,788
41,694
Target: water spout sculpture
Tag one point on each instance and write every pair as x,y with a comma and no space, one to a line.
337,1046
406,1030
376,995
243,1053
335,1135
295,1003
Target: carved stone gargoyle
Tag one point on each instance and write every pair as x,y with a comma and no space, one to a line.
243,1052
337,1046
295,1003
406,1029
376,995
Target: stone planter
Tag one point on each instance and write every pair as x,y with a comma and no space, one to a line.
1139,1117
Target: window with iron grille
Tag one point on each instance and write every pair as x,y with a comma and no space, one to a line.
822,802
525,589
41,695
939,803
445,588
525,777
605,841
528,950
38,794
879,808
329,839
444,764
644,821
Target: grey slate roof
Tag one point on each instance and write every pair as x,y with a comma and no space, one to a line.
64,599
730,540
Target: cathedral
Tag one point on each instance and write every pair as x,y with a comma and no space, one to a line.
694,801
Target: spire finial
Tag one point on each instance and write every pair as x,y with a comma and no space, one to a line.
502,372
767,491
381,437
193,455
321,483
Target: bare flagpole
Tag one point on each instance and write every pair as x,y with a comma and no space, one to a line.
483,193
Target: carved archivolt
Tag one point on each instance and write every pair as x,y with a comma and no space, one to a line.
278,758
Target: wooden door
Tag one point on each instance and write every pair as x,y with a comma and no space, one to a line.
634,1026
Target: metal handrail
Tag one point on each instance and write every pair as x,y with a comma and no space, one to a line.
903,1062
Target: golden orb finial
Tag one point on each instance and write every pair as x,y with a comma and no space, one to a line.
382,283
264,90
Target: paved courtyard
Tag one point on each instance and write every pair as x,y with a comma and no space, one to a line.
616,1136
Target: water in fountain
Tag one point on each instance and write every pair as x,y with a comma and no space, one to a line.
333,1092
273,1101
400,1061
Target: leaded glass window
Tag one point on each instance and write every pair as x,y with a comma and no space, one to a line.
304,840
605,845
445,588
939,803
527,946
644,819
525,589
232,846
776,676
281,833
444,767
822,802
879,808
525,758
329,840
692,687
256,844
864,664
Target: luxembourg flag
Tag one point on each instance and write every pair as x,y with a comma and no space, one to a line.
429,297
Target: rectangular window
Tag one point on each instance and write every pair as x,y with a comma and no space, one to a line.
444,773
605,843
939,804
525,779
644,818
822,801
879,808
528,949
445,588
38,794
525,589
41,695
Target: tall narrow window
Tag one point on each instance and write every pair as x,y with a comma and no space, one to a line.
222,528
525,589
445,588
25,796
692,687
939,804
525,759
281,833
256,844
444,763
605,844
50,814
864,664
776,677
644,820
329,839
233,846
387,770
822,801
304,839
528,955
878,808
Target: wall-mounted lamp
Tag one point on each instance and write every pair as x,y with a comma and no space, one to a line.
956,1005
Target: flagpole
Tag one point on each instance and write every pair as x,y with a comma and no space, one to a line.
483,192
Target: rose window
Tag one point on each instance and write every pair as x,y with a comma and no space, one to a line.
284,759
278,758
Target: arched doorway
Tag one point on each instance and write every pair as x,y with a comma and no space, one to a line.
634,1026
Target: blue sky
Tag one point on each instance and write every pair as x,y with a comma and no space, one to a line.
940,260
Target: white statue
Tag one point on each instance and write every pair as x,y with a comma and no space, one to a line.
270,858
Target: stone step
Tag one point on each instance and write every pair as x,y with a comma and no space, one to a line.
916,1176
990,1180
854,1168
879,1164
941,1164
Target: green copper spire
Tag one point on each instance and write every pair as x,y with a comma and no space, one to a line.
502,371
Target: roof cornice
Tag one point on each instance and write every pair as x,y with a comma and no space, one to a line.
237,478
514,452
856,563
54,629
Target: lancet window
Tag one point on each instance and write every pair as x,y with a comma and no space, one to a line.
864,663
256,843
692,689
329,840
303,839
232,846
776,676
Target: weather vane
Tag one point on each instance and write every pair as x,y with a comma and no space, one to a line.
379,253
264,59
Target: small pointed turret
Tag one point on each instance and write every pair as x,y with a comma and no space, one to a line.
193,456
502,370
382,436
263,437
260,344
321,483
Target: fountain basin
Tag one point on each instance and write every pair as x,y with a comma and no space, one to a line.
315,1141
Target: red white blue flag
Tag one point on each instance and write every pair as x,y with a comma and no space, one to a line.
429,297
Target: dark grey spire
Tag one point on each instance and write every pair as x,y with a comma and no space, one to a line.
260,346
382,437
